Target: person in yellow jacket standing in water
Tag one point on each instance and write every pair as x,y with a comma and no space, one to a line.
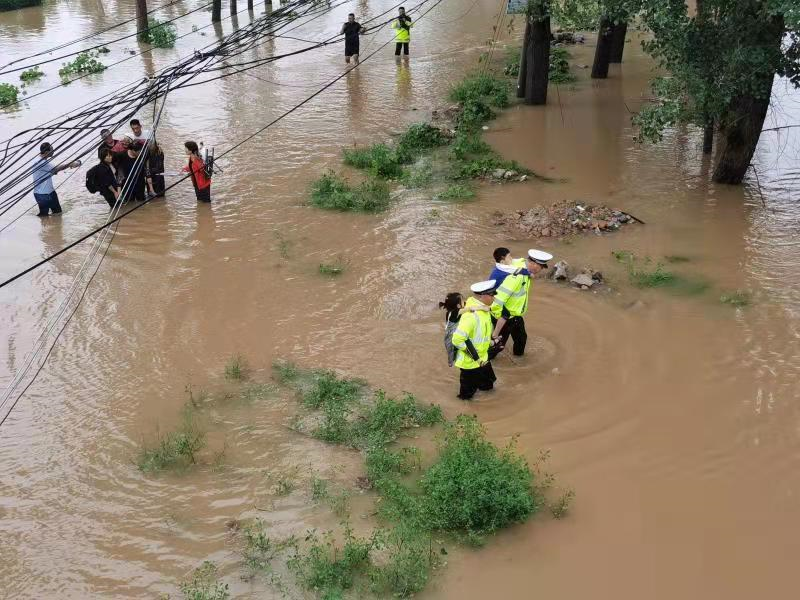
402,25
511,302
472,340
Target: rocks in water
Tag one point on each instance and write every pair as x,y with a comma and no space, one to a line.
583,281
510,174
560,271
568,37
498,173
560,218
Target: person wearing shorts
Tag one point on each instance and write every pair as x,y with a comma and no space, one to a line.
351,30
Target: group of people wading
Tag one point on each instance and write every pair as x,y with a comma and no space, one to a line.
352,29
477,330
121,170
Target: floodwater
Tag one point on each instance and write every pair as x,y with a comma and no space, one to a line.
674,418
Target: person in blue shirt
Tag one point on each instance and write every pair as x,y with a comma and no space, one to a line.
504,266
43,171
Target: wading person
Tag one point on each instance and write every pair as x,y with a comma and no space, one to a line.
108,141
197,171
155,170
402,25
453,306
505,265
43,171
472,340
105,177
131,171
511,304
139,134
351,30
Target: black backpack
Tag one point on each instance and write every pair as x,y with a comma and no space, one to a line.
91,179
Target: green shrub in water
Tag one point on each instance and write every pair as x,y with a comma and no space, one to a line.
85,62
475,486
160,35
483,85
737,298
236,369
332,269
559,66
384,421
176,449
658,277
8,94
332,192
456,191
379,159
418,138
407,565
328,568
204,585
468,145
30,75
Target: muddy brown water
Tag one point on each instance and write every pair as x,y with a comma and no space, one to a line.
674,418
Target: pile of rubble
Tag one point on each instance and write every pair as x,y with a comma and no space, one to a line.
567,37
561,219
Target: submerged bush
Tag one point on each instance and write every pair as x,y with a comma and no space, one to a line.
737,298
379,159
418,138
176,449
204,585
332,192
160,35
407,565
85,62
475,486
31,74
559,66
456,191
8,94
236,369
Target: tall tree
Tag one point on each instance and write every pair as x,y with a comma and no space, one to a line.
721,64
538,52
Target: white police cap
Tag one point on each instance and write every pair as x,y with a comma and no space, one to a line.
483,286
539,256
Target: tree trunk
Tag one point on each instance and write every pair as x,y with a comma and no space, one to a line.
538,62
234,10
618,42
603,51
523,61
708,138
216,11
250,5
745,116
141,17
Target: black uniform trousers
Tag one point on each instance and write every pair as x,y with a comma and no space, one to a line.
472,380
515,329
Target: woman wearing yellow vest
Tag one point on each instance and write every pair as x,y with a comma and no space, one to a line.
402,25
472,339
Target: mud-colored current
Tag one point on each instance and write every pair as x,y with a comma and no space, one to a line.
675,418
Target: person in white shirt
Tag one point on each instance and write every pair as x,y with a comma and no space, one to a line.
139,134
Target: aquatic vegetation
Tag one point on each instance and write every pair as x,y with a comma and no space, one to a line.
674,258
559,66
418,176
418,138
176,449
560,507
332,192
481,167
8,94
319,489
737,299
658,277
474,485
236,369
30,75
467,145
204,585
160,35
283,486
456,191
84,63
336,268
623,255
380,160
407,563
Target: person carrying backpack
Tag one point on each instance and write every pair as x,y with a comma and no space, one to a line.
102,178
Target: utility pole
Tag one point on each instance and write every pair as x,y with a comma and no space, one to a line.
250,5
233,7
216,11
141,17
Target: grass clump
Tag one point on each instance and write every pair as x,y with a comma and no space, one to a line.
418,138
407,564
319,489
84,63
478,94
204,585
625,256
259,549
737,299
328,568
8,94
675,258
456,191
560,507
30,75
332,192
379,159
284,486
236,369
332,269
418,176
160,35
475,486
177,449
643,277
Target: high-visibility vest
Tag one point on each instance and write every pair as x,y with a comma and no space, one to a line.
403,34
476,327
513,294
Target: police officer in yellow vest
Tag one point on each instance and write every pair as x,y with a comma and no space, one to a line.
511,303
472,339
402,25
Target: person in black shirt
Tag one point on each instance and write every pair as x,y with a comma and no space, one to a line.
126,165
351,30
106,180
155,170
